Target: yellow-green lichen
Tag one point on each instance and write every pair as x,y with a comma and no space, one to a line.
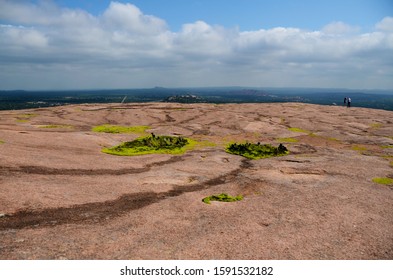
204,144
376,125
107,128
287,140
22,118
1,142
383,180
222,198
359,148
27,116
333,139
57,126
296,129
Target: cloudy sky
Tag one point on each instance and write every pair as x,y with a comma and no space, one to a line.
66,44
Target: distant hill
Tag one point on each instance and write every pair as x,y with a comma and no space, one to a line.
18,99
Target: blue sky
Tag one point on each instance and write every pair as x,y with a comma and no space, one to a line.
254,14
68,44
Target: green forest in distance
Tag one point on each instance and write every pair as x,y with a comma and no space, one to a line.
20,99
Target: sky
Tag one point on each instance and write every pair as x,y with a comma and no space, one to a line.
100,44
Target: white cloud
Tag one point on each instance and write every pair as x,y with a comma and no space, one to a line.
27,13
199,40
23,37
127,17
386,24
123,47
339,27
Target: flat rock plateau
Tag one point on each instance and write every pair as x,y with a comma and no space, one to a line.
62,198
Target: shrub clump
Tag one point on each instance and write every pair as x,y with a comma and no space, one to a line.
149,145
257,151
222,198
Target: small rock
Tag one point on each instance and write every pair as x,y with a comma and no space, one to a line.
3,215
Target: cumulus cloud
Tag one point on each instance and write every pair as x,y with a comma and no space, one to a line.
128,18
27,37
47,46
386,24
339,27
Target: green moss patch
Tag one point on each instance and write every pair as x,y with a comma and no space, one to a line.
383,181
107,128
359,148
376,125
56,126
256,151
205,144
222,198
333,139
25,117
152,145
287,140
296,129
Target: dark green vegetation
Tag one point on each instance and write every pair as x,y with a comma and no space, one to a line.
151,145
185,98
20,99
222,198
256,151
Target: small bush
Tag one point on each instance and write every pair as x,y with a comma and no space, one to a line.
256,151
222,198
150,145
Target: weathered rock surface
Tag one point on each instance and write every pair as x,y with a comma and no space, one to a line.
61,197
